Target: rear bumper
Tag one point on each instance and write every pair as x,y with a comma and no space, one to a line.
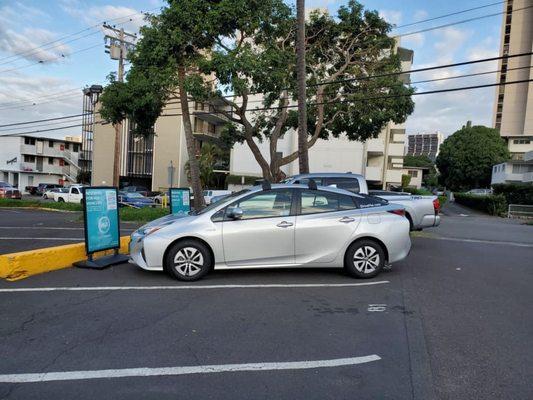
429,221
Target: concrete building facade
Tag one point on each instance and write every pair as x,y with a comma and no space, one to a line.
514,171
424,144
27,160
513,107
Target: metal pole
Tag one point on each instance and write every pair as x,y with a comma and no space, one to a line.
303,155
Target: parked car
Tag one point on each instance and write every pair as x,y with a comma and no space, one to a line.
72,194
278,226
49,193
9,192
480,192
209,194
136,189
134,199
421,211
41,188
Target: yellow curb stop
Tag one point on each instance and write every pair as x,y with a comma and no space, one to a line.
16,266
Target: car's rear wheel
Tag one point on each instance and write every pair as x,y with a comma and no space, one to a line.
188,260
364,259
61,200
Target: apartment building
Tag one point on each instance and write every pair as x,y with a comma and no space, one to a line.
380,160
514,171
156,161
513,107
27,160
424,144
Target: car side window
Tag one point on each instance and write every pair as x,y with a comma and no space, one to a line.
350,184
317,201
346,202
305,181
75,191
275,203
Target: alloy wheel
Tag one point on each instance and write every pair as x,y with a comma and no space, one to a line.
366,259
188,261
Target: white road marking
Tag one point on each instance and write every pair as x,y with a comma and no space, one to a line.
517,244
199,369
190,287
41,238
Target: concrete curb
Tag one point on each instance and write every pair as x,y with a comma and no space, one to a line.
16,266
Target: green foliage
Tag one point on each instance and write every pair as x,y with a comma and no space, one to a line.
515,193
443,200
406,180
145,214
466,158
41,204
429,178
493,204
210,156
420,192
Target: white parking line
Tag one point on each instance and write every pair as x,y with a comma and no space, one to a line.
190,287
499,242
199,369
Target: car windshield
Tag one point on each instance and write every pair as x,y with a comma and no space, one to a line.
135,196
220,202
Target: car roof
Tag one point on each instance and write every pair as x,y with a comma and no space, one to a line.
327,175
300,186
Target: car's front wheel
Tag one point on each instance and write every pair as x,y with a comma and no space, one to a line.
188,260
364,259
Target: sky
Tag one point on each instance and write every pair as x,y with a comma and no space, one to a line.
47,82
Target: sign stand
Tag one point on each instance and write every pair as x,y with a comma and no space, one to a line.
180,200
102,227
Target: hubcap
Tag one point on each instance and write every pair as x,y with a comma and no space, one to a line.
366,259
188,261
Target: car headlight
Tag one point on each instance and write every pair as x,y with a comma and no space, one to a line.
151,229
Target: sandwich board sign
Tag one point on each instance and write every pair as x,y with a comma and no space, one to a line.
180,200
102,226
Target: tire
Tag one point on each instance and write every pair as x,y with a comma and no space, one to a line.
197,260
61,200
411,226
45,197
364,259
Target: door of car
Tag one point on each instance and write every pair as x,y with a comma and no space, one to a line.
75,195
325,222
264,234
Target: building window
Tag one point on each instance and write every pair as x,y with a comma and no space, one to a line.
75,147
211,128
29,140
50,143
413,173
67,146
50,160
29,159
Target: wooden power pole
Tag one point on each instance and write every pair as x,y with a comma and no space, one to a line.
118,50
303,154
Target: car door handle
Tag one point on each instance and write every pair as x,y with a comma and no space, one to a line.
347,220
285,224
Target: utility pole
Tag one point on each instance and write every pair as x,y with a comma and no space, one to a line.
118,49
303,154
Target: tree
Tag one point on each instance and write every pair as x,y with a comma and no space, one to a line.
406,180
466,158
210,155
303,153
341,53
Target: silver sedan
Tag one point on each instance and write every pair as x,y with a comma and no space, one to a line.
277,226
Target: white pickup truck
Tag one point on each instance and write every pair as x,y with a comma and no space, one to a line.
421,211
72,194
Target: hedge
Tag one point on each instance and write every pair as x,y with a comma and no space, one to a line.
494,204
515,193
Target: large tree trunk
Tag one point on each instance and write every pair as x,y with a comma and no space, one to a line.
189,139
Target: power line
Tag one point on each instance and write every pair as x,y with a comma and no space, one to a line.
449,15
461,22
44,120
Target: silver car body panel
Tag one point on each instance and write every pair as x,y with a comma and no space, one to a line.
313,240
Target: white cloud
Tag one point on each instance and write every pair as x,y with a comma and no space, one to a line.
391,16
420,14
27,41
415,40
449,40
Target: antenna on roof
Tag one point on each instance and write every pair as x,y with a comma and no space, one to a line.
266,185
312,184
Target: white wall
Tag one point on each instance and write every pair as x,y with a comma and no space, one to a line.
10,148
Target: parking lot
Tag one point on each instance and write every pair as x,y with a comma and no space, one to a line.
449,322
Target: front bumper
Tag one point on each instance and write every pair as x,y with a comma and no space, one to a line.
137,251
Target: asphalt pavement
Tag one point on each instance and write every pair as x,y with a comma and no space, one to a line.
449,322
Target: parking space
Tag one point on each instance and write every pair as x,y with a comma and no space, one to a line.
448,322
27,229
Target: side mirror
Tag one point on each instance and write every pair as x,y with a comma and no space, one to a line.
235,213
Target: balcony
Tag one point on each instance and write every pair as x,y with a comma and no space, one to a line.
375,146
45,151
373,174
41,169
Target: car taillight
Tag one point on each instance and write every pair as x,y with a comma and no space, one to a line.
436,206
399,211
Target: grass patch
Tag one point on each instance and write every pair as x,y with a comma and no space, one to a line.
146,214
52,205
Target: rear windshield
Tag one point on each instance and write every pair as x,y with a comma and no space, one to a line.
366,201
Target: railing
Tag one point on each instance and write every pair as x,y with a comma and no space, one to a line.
520,211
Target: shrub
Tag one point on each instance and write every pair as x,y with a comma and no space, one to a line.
420,192
515,193
493,204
